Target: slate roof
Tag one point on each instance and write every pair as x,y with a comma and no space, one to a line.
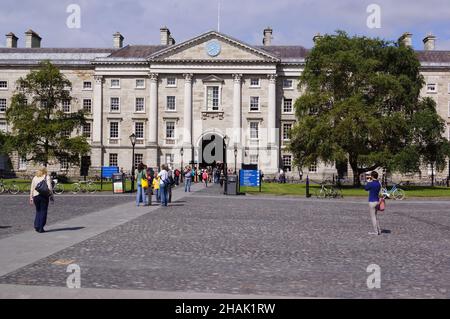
434,56
137,51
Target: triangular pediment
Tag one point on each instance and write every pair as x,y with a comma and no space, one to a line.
213,46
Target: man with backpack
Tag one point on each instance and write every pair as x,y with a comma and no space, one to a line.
177,174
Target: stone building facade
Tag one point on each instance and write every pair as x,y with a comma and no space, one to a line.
209,99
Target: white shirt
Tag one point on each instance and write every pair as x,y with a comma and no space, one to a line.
36,180
164,175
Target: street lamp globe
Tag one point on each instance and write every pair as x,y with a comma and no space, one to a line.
133,139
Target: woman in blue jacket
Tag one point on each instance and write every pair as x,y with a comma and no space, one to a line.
373,186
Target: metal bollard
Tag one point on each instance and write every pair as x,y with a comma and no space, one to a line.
308,195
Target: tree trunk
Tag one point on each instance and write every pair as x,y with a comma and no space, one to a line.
354,166
432,174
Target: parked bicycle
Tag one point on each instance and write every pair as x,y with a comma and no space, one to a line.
84,186
9,188
58,188
394,193
329,192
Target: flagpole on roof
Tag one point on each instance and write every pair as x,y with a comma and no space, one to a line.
218,17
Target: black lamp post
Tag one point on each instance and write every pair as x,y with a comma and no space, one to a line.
182,168
235,159
226,140
133,143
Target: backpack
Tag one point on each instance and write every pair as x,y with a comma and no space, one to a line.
381,202
177,173
171,181
205,175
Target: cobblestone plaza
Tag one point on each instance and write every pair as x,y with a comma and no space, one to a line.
210,245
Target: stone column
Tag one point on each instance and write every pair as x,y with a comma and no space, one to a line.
272,110
237,108
273,149
153,113
97,111
187,136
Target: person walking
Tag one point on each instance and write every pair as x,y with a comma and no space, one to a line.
163,184
41,200
187,179
170,184
373,186
177,176
205,177
156,189
150,176
141,182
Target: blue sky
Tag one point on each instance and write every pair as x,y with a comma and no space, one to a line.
294,21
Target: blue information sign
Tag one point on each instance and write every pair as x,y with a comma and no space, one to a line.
249,178
108,171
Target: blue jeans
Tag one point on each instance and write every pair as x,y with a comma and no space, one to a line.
41,203
187,184
140,195
158,195
163,191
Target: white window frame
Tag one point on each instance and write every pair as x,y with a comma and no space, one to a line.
85,88
64,165
116,159
143,130
288,87
135,104
111,84
22,164
252,159
90,106
137,86
90,130
110,104
286,156
3,124
118,130
292,106
250,130
250,104
435,88
4,88
70,106
254,85
286,139
171,85
6,105
167,103
315,168
170,159
219,109
174,130
136,163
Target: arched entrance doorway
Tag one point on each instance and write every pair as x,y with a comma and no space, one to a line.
211,150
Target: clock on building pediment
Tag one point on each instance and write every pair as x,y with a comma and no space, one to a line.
213,48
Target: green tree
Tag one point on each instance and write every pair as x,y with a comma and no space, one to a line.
360,97
40,128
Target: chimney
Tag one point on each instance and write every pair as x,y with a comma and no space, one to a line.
267,40
118,40
429,42
32,39
406,39
11,40
317,37
171,40
165,36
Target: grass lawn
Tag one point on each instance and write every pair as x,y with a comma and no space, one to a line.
300,190
25,185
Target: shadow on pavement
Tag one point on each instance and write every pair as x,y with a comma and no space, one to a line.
64,229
